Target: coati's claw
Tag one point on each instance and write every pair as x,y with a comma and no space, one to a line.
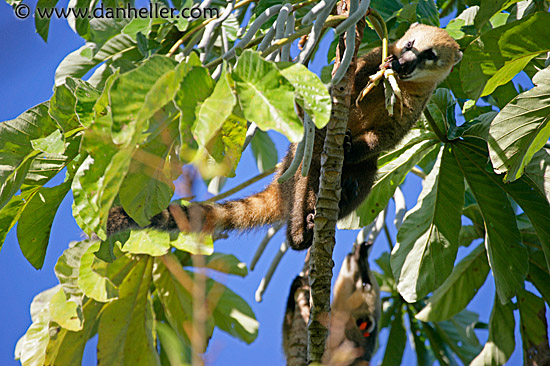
347,142
310,221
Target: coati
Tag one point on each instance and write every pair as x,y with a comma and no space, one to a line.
355,311
422,58
355,314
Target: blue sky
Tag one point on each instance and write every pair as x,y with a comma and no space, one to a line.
27,71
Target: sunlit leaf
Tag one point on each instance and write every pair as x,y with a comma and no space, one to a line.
521,129
398,336
126,334
33,231
499,54
266,96
311,92
148,241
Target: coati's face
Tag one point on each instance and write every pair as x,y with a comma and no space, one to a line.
424,53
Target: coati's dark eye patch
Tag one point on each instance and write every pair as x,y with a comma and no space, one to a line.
409,45
429,54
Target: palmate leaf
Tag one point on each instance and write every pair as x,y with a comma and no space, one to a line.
521,128
501,342
427,242
133,98
266,96
310,91
79,62
16,151
33,231
507,255
264,151
537,172
126,334
390,176
533,327
458,333
458,289
398,336
498,55
490,8
31,348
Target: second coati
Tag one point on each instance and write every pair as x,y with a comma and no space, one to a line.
422,58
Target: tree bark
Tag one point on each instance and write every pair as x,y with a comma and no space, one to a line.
326,209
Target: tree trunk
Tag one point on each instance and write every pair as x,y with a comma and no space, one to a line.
326,209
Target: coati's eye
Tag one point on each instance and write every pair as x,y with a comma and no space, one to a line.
430,54
409,45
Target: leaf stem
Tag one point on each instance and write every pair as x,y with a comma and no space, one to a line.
433,125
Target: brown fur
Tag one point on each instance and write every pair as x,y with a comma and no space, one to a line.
372,131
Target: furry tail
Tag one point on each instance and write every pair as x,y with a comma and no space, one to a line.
266,207
260,209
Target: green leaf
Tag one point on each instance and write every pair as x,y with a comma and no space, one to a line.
51,144
16,151
67,348
427,12
266,96
225,263
72,104
195,87
42,24
11,212
538,172
126,334
398,336
194,243
265,152
501,342
31,348
173,347
538,274
78,63
148,241
94,284
176,300
65,313
458,289
442,108
533,327
33,231
148,170
498,55
134,98
489,8
458,333
67,270
507,255
427,242
231,313
310,92
225,148
520,129
390,176
213,111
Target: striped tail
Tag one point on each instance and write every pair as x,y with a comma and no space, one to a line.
263,208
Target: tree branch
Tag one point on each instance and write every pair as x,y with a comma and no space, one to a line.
326,209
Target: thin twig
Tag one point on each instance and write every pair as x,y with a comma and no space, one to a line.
243,185
267,278
263,244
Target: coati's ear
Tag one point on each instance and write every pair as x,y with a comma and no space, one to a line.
458,57
414,25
